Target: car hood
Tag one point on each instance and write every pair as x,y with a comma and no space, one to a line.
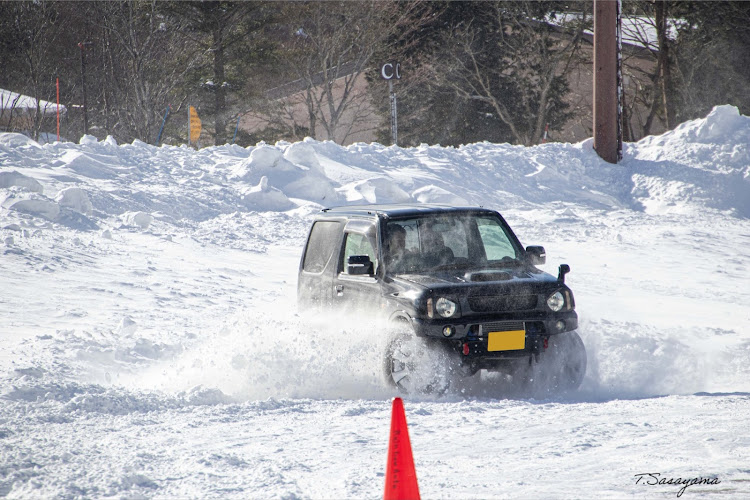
479,276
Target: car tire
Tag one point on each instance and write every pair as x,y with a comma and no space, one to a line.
560,368
415,365
571,352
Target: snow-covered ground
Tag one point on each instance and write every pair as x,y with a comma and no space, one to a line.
150,346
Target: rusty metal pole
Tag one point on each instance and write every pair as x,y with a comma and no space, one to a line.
606,130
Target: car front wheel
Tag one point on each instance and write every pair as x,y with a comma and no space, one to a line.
416,365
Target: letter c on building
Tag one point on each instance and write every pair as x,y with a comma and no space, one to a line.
387,71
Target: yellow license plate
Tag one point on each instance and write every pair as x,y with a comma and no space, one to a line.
506,341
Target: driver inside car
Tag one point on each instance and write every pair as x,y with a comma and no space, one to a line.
397,251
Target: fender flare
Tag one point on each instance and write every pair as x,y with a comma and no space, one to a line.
400,316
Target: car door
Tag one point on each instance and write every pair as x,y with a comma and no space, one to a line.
319,264
358,293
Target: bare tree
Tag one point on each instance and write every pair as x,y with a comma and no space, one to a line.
330,51
214,28
711,56
515,61
646,29
31,33
143,59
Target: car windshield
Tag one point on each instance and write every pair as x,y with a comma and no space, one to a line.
452,241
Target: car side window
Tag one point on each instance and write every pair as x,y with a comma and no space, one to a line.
324,237
496,242
357,244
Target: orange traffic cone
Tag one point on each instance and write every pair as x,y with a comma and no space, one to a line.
400,474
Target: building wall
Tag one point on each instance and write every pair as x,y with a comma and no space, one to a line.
638,67
361,121
358,122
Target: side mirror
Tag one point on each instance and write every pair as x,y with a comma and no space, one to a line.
359,265
536,255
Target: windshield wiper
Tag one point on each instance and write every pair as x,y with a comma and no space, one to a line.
505,262
447,267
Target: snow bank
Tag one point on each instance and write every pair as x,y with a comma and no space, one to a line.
15,179
295,180
75,199
38,206
265,198
375,190
702,163
14,140
138,219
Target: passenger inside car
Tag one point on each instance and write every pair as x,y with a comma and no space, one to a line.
434,251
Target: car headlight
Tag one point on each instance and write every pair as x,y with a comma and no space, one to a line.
556,301
445,308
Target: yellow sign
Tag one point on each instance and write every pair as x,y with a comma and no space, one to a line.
195,125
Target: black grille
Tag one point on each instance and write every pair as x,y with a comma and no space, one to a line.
501,326
498,303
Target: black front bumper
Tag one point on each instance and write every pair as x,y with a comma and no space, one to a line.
471,334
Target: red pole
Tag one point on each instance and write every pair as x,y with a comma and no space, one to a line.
58,110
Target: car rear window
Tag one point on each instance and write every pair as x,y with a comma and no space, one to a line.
323,239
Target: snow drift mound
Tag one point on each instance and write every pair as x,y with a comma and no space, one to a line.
703,162
296,181
16,179
14,140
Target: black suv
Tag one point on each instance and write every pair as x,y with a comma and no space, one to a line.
458,290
